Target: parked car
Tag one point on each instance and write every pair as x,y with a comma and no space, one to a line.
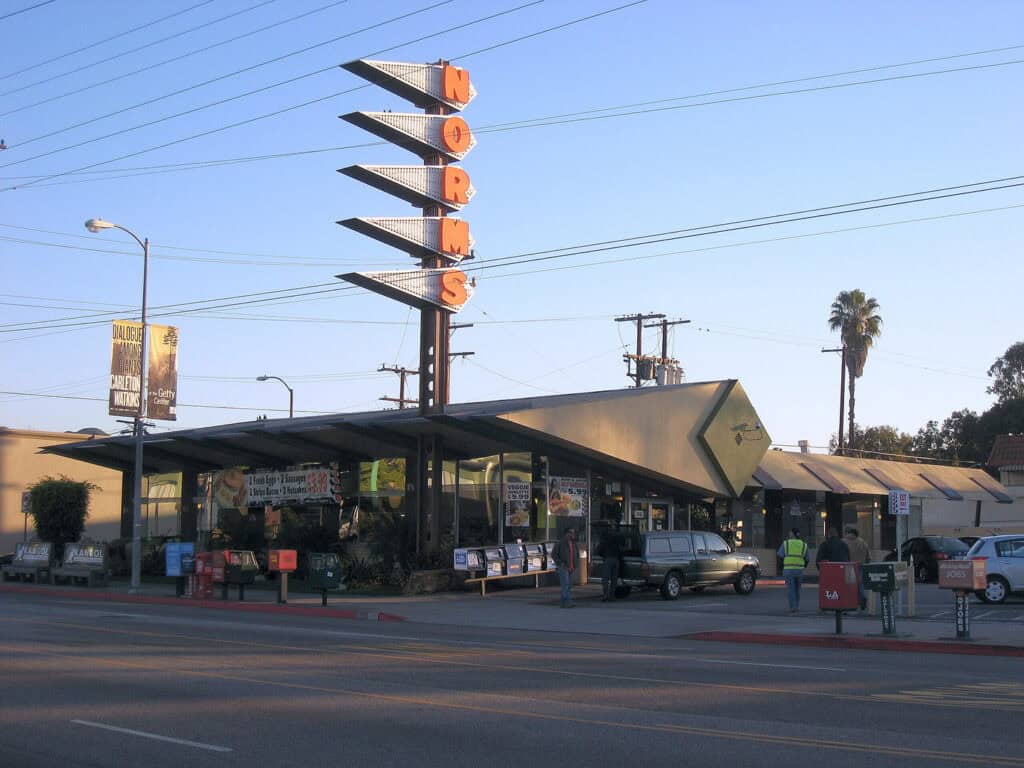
674,560
1004,565
969,540
927,551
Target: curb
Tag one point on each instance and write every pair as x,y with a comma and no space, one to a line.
187,602
860,643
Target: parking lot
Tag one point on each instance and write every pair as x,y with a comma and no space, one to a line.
932,603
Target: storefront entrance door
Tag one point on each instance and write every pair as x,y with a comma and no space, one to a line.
650,514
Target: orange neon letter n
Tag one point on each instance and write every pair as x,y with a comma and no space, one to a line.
455,84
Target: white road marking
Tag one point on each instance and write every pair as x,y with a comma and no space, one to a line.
157,737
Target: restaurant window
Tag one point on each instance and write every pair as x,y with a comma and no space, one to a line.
479,500
519,510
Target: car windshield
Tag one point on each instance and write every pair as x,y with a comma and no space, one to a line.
976,548
952,546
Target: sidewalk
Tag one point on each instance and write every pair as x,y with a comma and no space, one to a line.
538,610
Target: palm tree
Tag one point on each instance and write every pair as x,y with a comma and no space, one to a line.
856,318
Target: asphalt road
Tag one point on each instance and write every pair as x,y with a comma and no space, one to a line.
144,685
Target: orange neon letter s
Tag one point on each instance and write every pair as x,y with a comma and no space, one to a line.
454,185
455,134
454,236
453,288
455,84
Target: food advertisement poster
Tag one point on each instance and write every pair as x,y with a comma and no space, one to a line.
517,504
162,389
290,485
568,496
125,370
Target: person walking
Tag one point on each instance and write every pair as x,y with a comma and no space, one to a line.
832,550
795,557
610,550
567,559
860,554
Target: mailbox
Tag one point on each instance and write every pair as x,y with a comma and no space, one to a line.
885,577
494,557
962,575
838,586
282,560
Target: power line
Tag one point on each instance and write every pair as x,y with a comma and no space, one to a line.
616,110
26,10
180,57
276,295
261,89
146,46
179,405
321,99
106,40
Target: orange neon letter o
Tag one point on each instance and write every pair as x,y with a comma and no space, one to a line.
455,134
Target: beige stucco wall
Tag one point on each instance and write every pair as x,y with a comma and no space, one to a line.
21,465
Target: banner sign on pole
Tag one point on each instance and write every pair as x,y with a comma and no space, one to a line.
125,370
162,390
899,502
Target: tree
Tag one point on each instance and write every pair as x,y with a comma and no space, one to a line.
1007,373
59,508
882,442
856,318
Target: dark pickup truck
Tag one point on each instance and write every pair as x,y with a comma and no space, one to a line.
674,560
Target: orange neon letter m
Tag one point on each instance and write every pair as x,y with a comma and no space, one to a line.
454,237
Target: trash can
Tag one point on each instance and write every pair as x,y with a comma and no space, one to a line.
494,559
324,573
515,559
534,557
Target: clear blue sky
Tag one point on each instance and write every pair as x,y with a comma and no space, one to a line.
949,288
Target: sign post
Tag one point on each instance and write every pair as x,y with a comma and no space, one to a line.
899,505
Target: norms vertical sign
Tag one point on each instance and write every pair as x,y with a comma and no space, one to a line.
126,369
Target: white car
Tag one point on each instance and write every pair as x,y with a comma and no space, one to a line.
1004,565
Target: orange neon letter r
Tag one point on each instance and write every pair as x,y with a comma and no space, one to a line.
454,185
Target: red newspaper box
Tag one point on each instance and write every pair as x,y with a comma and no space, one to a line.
283,560
838,586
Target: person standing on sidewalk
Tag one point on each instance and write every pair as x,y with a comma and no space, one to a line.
794,559
611,550
832,550
860,554
567,560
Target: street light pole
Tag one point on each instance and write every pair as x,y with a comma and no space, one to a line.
291,393
97,225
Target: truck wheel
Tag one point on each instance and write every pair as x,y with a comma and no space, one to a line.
672,587
746,582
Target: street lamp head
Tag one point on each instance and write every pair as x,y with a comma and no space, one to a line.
261,378
96,225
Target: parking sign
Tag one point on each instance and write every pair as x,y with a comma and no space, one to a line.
899,502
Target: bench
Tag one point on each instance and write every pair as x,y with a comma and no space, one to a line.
482,580
31,561
83,561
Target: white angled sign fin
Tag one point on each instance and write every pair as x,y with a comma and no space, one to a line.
448,289
422,84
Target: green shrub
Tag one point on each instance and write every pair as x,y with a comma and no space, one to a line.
59,508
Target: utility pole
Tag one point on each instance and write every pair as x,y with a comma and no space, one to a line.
665,360
402,374
842,394
639,320
452,328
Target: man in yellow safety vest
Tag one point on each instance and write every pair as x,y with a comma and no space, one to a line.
794,559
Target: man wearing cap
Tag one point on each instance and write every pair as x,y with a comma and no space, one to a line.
794,559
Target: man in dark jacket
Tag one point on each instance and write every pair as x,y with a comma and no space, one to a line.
611,550
832,550
567,560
